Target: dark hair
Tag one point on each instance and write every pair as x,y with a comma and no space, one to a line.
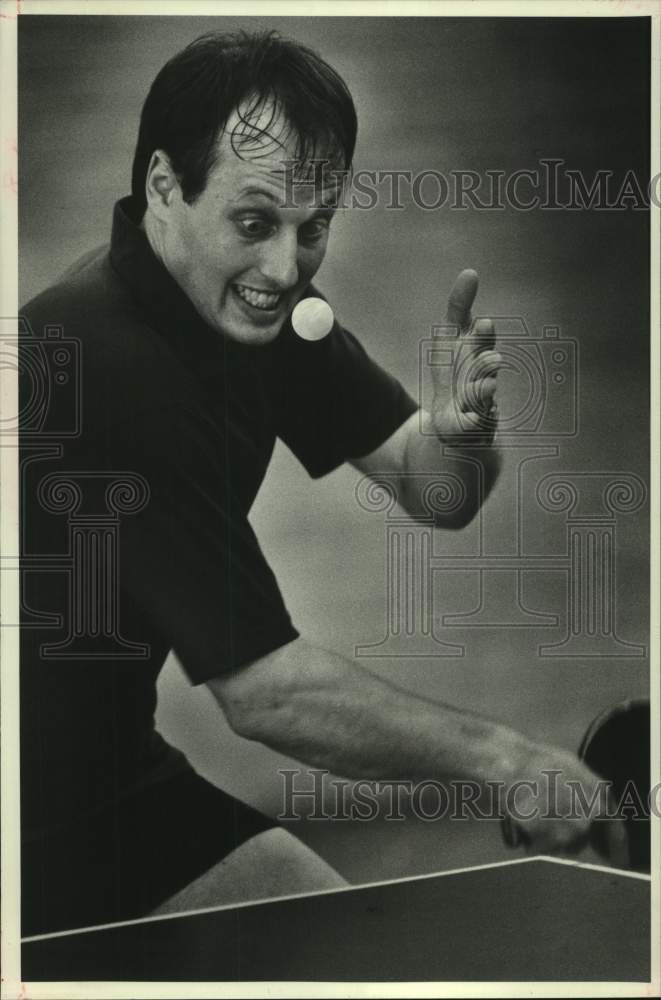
194,94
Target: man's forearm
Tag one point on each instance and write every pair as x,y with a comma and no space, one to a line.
473,473
320,708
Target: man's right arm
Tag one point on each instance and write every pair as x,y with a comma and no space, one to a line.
324,710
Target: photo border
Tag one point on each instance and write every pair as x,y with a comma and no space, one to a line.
9,12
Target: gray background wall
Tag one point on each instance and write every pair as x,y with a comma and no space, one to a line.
443,94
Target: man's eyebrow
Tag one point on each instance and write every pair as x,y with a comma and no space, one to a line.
326,206
260,192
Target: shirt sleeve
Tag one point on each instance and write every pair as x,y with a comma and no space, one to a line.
334,402
188,557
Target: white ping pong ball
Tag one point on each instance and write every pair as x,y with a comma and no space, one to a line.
312,319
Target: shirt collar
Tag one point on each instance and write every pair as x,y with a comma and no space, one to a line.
166,306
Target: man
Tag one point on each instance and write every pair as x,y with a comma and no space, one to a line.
190,370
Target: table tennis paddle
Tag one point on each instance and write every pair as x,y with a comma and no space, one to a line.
616,746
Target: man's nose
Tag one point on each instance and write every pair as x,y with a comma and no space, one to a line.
279,260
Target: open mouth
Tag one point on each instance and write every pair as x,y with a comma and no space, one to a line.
257,298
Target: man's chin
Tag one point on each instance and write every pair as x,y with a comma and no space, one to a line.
249,333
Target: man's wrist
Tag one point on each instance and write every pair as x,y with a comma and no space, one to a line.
488,455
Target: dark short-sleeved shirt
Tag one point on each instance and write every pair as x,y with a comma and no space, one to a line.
186,420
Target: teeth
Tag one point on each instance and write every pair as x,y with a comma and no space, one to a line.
260,300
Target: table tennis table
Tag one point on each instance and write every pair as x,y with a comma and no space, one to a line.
540,919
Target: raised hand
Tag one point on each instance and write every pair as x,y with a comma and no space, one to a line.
463,411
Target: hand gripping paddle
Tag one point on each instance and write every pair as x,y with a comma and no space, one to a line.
616,746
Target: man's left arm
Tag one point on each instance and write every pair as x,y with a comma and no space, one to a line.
455,437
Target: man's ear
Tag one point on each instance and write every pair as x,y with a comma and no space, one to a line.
161,183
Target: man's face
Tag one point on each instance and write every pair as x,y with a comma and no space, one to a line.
242,252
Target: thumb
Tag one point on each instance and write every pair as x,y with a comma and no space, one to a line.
461,299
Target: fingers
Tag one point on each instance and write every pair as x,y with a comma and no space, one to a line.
477,382
546,836
461,300
474,371
482,366
607,836
482,337
478,368
477,397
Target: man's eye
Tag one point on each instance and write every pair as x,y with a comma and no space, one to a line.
255,226
314,231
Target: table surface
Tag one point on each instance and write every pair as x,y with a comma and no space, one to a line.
535,919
